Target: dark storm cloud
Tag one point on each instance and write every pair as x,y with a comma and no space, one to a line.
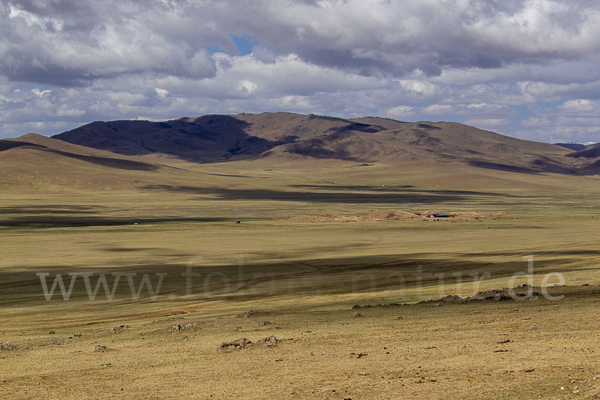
51,41
487,61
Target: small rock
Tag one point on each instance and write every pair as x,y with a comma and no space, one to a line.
189,326
101,348
265,323
51,333
7,346
238,344
176,328
77,334
357,314
116,329
270,341
247,314
356,307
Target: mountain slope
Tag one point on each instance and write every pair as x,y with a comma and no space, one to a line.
208,138
36,161
287,136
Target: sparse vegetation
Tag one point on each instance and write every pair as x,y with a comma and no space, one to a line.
387,119
296,272
329,118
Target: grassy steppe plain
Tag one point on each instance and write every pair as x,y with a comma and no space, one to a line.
303,277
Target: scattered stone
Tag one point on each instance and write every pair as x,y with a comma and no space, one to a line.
453,299
436,305
504,341
400,317
235,345
51,333
176,328
7,346
356,307
118,328
270,341
101,348
265,323
247,314
77,334
501,296
357,314
586,284
529,370
190,326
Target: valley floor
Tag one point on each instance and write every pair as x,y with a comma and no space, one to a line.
158,272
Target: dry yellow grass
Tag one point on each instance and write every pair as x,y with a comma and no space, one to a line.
70,216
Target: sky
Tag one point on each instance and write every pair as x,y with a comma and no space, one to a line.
524,68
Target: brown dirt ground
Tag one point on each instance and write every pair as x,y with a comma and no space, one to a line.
383,215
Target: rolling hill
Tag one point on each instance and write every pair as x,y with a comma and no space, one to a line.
287,136
123,154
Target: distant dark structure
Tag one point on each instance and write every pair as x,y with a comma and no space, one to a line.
441,215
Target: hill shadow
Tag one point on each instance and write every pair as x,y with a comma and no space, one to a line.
50,209
109,162
313,276
11,144
403,189
116,163
541,165
210,138
395,197
65,221
503,167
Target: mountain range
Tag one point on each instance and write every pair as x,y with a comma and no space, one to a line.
289,137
